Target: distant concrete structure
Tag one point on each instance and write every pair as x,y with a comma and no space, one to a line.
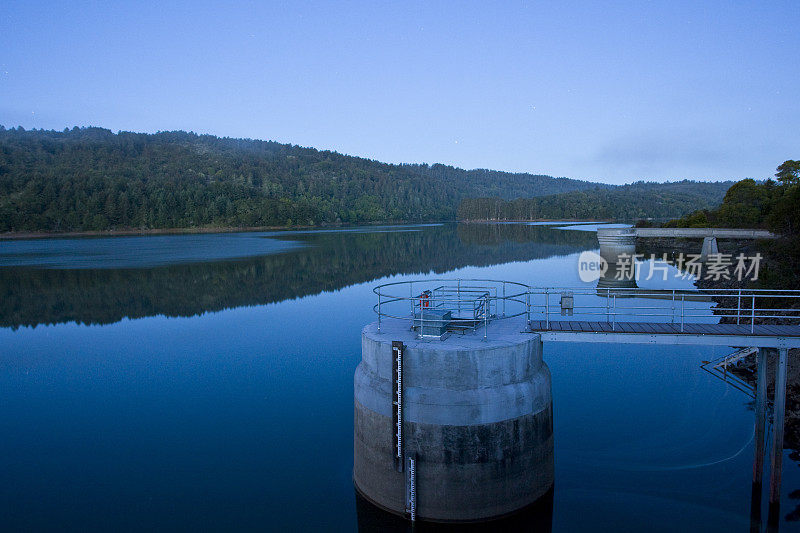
701,233
618,242
709,248
476,421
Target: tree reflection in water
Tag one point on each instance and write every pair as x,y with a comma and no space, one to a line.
331,260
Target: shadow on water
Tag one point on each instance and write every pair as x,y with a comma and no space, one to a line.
536,517
329,260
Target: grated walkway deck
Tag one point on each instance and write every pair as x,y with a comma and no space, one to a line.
764,336
667,328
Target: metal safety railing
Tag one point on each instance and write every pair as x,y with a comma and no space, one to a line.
612,305
437,307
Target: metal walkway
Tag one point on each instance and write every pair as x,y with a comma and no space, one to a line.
757,336
633,315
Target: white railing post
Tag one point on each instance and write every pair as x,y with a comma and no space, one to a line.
485,316
683,309
739,307
753,315
379,310
458,297
528,306
614,314
547,309
672,313
422,317
504,298
411,299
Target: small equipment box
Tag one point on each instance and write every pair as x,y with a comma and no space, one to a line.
431,322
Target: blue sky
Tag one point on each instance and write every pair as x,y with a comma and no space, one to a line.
610,91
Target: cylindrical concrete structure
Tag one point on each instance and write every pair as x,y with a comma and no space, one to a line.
615,242
477,415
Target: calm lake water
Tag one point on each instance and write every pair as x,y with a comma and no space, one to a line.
205,382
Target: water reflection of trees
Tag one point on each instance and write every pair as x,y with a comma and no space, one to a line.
32,296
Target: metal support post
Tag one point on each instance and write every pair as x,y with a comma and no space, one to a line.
485,316
761,416
458,297
547,309
683,307
672,313
528,308
777,431
614,313
411,299
739,307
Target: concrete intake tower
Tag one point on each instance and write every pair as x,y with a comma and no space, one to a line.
453,405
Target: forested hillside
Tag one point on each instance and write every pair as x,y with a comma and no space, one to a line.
749,204
626,202
773,205
94,179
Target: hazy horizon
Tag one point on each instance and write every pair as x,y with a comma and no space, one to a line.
655,92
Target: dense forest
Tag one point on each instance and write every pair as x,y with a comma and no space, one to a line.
772,205
85,179
94,179
626,202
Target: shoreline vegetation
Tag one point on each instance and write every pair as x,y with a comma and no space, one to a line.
127,232
122,232
640,200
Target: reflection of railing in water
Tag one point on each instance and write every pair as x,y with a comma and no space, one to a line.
719,368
